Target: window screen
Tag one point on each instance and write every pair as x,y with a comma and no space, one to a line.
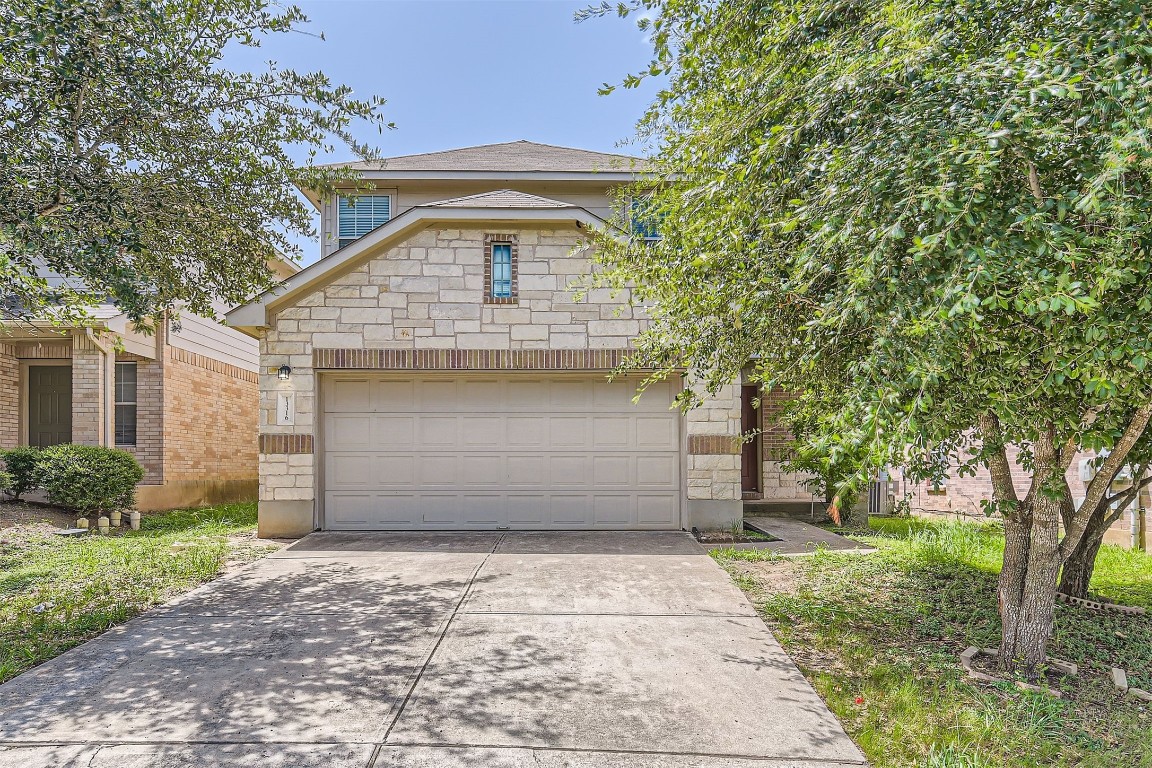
125,403
357,216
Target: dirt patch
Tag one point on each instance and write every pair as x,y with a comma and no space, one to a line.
771,577
244,548
15,514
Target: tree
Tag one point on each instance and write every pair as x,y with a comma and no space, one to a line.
136,166
942,207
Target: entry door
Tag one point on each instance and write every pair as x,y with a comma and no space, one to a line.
750,451
49,404
499,451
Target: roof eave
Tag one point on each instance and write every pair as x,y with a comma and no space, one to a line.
250,318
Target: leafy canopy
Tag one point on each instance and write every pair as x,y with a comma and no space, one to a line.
136,166
935,209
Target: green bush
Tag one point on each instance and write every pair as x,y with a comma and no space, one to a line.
22,470
89,478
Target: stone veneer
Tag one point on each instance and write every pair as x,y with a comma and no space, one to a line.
428,293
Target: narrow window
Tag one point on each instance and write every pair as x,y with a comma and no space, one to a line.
500,269
645,224
125,403
359,215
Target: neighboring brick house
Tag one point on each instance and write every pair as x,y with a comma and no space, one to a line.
435,370
183,401
962,496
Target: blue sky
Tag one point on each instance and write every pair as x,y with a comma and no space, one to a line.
465,72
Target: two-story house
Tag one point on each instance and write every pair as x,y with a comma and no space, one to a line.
183,400
434,369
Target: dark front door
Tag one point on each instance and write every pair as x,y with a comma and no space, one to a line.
750,451
49,404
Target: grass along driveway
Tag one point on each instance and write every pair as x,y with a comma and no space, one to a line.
56,592
878,636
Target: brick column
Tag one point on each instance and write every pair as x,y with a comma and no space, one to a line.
91,391
9,397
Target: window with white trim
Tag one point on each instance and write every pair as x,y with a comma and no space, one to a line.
358,215
125,403
645,224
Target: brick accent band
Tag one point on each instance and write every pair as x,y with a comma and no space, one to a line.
270,443
470,359
209,364
713,445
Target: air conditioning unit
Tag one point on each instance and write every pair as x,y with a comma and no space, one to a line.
1087,470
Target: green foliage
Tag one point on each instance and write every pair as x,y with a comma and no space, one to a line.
22,469
933,209
886,628
57,592
136,163
89,478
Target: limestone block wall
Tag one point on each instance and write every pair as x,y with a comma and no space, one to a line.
428,293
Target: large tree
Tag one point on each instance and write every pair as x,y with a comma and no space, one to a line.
137,166
945,207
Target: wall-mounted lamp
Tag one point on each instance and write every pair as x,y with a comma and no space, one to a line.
284,373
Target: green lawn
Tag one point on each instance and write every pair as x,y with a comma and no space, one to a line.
57,592
878,635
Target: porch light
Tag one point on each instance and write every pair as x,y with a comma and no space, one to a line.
284,373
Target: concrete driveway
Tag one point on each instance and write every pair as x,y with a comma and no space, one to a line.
577,650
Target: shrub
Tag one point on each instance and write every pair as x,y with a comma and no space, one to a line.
89,478
22,470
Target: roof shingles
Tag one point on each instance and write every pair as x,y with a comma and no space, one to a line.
517,156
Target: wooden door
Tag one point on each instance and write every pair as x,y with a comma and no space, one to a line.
49,404
750,469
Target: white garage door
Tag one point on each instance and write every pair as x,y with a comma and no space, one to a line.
515,451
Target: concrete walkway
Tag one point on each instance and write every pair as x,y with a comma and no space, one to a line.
613,650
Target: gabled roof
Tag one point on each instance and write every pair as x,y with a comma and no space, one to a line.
511,156
501,198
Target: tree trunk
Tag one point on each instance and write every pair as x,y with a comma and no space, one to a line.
1078,567
1027,586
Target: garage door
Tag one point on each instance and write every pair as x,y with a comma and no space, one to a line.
530,452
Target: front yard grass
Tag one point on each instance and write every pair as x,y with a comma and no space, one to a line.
57,592
879,635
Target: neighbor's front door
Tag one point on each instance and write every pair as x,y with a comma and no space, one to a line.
49,404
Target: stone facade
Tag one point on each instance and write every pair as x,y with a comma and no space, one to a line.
429,293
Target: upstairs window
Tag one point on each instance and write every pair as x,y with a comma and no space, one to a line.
125,403
359,215
645,224
500,269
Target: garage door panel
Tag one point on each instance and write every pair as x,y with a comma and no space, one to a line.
612,432
568,470
482,470
391,395
350,470
517,450
612,470
347,432
349,509
567,432
528,510
571,510
438,431
438,470
349,395
526,470
612,510
396,470
657,470
655,432
396,432
481,431
657,510
527,431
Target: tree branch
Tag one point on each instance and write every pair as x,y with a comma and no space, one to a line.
1104,478
998,465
